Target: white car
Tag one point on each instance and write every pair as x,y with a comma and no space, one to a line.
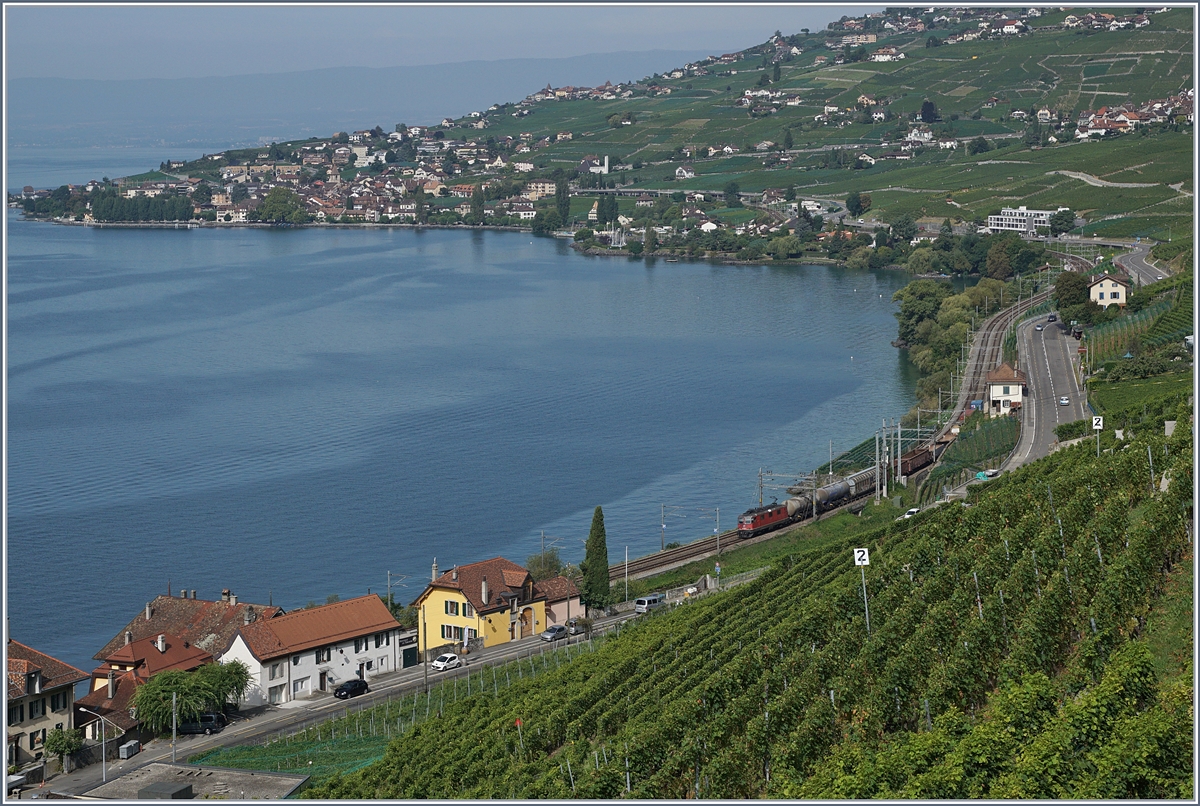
1039,327
447,661
1064,401
862,221
911,512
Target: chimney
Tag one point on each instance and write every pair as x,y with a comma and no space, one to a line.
161,643
112,684
233,598
225,595
435,570
484,591
454,573
247,616
147,611
193,593
128,638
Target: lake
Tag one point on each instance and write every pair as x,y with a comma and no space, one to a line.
293,413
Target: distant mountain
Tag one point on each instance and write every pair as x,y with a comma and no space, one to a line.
257,108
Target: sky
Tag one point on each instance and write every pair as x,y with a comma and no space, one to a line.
175,41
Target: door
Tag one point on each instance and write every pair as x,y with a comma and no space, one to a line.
526,624
361,670
321,684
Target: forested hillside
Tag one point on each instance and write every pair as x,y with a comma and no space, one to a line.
1016,648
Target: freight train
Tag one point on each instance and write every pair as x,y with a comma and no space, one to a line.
762,519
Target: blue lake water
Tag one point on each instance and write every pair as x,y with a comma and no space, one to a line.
292,414
49,167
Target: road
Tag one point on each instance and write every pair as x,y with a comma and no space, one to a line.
1049,360
1134,264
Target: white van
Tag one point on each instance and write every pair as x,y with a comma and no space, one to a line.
649,602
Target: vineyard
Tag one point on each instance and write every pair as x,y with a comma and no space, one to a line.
996,651
983,442
1176,322
1112,339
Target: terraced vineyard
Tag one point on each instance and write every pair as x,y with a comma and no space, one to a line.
1004,657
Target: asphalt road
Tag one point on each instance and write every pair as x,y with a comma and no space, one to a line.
1049,360
1134,264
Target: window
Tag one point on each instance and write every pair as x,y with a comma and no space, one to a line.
451,608
370,665
1116,295
468,611
1006,390
1101,295
471,632
37,708
58,701
359,645
323,655
383,663
300,686
275,671
379,639
295,660
16,713
447,633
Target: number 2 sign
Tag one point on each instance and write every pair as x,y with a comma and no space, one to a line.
861,558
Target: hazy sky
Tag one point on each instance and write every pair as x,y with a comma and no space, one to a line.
121,42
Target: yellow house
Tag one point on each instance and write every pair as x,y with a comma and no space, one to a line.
480,605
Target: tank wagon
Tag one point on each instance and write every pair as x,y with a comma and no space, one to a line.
757,520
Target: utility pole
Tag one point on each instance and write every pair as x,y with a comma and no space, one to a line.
425,647
174,724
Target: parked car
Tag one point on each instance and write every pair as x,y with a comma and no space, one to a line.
447,661
574,627
1064,401
351,688
554,633
206,724
912,512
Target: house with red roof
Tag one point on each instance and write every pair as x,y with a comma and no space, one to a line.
308,651
1006,389
41,697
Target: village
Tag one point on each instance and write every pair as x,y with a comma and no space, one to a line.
293,659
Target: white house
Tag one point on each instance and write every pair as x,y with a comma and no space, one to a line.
685,172
1109,289
306,651
1006,387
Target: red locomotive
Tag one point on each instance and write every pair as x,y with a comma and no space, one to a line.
760,519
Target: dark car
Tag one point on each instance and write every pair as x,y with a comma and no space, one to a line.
206,724
351,688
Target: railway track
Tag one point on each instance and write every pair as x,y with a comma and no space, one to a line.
666,560
987,351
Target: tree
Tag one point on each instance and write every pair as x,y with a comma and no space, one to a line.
929,111
788,142
202,194
1062,221
153,699
999,265
422,211
919,300
732,199
904,228
562,200
544,565
854,204
979,146
1070,289
594,590
775,74
650,242
61,742
280,205
477,204
238,194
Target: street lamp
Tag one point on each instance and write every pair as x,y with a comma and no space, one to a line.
103,740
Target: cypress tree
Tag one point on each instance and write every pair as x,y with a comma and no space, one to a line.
594,590
562,200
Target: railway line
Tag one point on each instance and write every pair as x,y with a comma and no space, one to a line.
987,351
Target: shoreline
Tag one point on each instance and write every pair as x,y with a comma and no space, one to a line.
261,225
